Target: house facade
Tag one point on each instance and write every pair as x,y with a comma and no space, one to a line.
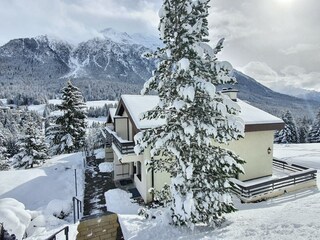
256,148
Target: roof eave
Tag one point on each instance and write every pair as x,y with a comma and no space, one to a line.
263,127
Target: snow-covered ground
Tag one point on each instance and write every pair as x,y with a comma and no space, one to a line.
40,109
3,101
291,216
99,103
100,120
40,193
306,154
37,108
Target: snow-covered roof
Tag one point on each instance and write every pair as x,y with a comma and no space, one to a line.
137,104
253,115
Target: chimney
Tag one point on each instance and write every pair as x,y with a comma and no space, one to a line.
231,92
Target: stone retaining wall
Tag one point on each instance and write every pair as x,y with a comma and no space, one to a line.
99,227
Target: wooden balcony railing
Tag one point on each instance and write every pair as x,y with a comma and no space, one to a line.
300,175
124,146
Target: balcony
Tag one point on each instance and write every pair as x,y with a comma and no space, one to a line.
124,146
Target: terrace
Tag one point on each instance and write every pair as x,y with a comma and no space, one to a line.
285,178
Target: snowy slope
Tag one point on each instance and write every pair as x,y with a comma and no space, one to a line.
44,191
291,216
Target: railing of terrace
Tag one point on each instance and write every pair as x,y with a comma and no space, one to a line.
66,233
77,209
300,175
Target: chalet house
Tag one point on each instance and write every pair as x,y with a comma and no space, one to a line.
256,148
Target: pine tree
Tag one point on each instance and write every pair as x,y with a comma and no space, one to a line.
69,130
32,148
199,119
303,130
314,134
3,149
289,133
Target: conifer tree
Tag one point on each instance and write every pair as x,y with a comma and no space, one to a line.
3,149
199,119
303,130
314,134
289,134
69,130
32,148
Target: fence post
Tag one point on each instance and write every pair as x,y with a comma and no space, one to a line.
74,210
1,231
78,208
66,232
75,181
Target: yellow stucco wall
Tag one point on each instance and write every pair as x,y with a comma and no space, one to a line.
144,184
253,148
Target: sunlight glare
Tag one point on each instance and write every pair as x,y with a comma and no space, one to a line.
285,2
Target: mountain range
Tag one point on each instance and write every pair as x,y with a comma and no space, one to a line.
114,56
107,66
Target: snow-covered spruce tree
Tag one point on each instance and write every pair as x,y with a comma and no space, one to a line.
303,129
289,134
314,134
32,148
199,120
69,130
3,150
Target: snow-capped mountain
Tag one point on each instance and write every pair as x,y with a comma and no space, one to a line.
106,59
115,56
34,58
310,95
271,101
148,41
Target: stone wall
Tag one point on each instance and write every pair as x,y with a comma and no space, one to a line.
99,227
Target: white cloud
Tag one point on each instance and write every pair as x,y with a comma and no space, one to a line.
231,24
261,72
289,77
301,47
75,20
256,31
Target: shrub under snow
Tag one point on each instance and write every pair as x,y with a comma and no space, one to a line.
14,217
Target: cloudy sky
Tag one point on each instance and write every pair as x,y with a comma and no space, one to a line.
275,41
